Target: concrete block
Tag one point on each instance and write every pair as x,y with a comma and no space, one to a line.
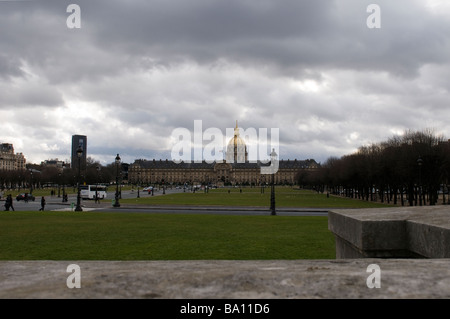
406,232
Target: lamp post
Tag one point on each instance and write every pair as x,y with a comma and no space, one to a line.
63,183
97,200
151,182
164,184
273,157
116,202
262,182
419,163
31,182
79,153
59,185
138,180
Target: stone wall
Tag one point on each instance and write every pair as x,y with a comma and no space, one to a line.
406,232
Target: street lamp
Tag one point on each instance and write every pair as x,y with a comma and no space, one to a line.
63,182
419,163
97,200
59,185
138,181
262,181
164,184
79,153
116,202
31,181
273,157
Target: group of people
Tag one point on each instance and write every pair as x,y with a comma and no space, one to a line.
9,203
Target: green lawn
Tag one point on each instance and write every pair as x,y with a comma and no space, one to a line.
138,236
284,196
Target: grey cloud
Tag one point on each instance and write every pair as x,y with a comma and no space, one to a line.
152,66
288,35
10,67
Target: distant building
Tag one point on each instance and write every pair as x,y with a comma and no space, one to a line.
79,140
217,173
236,169
10,161
54,163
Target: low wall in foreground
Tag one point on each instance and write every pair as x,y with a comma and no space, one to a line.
406,232
381,253
228,279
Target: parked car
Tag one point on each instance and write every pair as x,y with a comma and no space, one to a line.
23,195
147,189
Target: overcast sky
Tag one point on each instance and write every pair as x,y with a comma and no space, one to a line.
136,70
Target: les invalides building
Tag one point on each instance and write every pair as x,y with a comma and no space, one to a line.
234,170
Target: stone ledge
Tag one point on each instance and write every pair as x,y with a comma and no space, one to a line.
405,232
213,279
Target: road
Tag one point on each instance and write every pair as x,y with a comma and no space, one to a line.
55,204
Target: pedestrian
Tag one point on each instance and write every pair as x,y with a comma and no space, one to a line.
9,203
42,203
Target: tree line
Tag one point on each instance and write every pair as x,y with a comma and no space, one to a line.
39,176
411,169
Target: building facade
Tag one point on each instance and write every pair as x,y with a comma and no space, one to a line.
54,163
234,170
79,140
218,173
10,161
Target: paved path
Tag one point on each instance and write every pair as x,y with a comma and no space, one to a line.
55,204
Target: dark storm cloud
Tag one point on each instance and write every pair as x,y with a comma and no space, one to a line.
287,34
290,35
10,67
142,68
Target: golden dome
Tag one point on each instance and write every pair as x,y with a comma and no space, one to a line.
236,140
236,148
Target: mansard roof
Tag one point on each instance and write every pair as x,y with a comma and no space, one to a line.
169,164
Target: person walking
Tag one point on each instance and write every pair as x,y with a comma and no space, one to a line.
9,203
42,203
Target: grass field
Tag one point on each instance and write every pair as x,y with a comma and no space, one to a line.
135,236
284,196
140,236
